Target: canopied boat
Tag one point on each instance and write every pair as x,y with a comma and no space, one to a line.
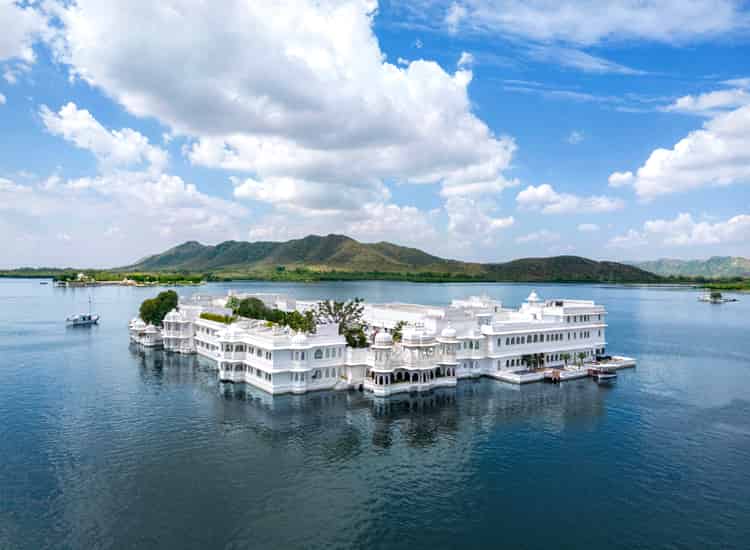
83,319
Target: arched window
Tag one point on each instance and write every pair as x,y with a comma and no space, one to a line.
318,354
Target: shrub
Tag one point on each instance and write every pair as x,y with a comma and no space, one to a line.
154,310
226,319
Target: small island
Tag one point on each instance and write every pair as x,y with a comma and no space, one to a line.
283,345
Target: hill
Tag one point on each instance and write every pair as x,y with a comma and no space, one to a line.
338,256
714,267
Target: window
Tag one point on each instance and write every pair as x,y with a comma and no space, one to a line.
318,354
499,342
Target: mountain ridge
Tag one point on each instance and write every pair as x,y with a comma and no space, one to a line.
713,267
342,254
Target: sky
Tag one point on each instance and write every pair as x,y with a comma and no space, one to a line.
481,130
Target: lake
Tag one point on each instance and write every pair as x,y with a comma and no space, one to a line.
103,446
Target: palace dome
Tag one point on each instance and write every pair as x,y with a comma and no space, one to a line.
533,297
448,332
138,323
173,315
416,336
383,339
299,339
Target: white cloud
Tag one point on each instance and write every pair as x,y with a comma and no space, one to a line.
453,17
9,186
589,22
21,25
738,82
541,236
588,227
309,196
466,60
685,231
474,219
711,103
131,193
575,137
373,222
113,148
305,100
578,59
2,99
717,154
620,179
631,239
549,201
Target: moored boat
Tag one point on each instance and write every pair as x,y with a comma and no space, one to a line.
83,319
603,373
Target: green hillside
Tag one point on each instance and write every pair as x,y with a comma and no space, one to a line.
715,267
338,256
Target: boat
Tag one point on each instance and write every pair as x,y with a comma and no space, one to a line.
715,297
603,373
83,319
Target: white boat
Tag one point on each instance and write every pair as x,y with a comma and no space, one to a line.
83,319
603,373
714,297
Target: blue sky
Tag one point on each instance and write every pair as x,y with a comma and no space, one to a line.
481,129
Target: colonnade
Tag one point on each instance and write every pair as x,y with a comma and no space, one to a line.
411,377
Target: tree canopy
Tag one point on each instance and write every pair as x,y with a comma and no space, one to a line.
397,331
345,314
253,308
348,316
154,310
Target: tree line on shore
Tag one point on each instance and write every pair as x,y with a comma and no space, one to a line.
347,315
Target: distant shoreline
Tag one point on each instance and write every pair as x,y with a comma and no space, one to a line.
106,277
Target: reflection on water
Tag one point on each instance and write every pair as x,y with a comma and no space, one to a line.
103,445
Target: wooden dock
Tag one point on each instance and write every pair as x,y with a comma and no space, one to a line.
561,375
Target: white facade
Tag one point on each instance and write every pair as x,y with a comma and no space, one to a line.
470,338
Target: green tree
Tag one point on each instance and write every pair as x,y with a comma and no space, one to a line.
154,310
252,308
397,331
348,315
355,337
581,357
565,357
233,303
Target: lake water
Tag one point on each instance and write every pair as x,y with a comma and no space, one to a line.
105,447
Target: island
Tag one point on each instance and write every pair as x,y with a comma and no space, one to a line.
294,346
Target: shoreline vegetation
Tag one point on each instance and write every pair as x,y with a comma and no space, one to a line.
95,277
317,258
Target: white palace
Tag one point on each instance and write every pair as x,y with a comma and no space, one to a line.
439,345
